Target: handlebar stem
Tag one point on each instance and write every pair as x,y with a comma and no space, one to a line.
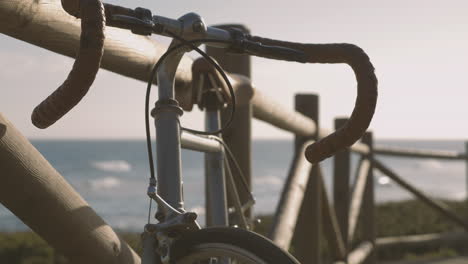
167,113
184,27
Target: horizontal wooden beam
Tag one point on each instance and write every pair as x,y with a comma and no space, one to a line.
437,239
38,195
45,24
268,110
360,148
417,153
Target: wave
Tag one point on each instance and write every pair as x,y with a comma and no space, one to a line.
104,183
431,164
112,165
268,180
458,196
383,180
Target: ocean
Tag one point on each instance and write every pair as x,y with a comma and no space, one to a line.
112,176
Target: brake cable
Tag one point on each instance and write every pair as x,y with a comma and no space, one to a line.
150,83
148,92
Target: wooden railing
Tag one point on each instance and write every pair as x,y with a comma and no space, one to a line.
340,221
450,238
304,209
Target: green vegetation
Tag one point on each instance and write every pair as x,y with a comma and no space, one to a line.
27,248
393,219
413,218
404,218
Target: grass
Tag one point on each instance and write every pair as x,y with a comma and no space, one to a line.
392,219
410,217
413,218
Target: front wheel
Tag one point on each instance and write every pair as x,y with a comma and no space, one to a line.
227,245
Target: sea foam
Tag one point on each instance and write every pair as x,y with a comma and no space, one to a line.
431,164
383,180
104,183
268,180
112,165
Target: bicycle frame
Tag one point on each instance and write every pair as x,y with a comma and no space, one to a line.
167,122
169,140
169,137
215,180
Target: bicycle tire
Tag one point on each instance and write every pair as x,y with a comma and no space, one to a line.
236,243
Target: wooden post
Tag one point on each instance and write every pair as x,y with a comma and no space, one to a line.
341,192
238,136
306,241
368,204
466,170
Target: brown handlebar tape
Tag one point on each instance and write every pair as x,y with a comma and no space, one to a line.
366,99
350,54
72,7
84,70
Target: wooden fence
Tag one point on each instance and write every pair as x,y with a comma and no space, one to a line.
304,212
304,209
339,221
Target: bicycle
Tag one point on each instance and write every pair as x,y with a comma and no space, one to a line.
178,238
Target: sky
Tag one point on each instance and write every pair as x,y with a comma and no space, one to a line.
419,49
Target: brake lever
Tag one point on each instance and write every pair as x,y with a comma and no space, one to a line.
133,21
274,52
242,44
141,24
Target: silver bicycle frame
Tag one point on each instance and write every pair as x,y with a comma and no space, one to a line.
170,139
168,131
215,180
168,145
167,113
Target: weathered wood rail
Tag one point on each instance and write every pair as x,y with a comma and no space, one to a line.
352,204
305,208
37,194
